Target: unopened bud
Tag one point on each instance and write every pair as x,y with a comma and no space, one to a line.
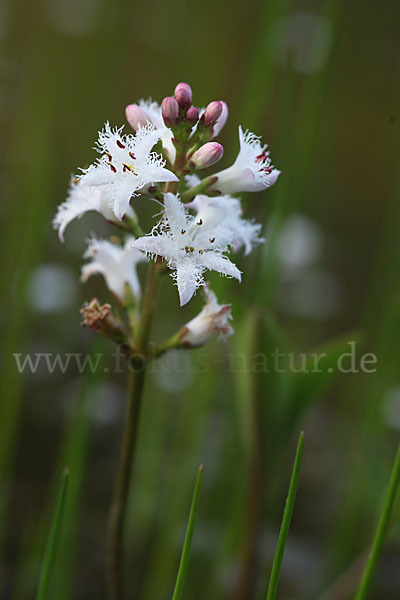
170,111
221,120
206,156
183,95
212,113
135,116
192,115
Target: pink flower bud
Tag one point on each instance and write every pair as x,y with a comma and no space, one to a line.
192,115
183,95
206,156
135,116
212,113
170,111
221,120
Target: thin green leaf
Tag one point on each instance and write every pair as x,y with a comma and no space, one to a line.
180,580
381,530
287,516
51,545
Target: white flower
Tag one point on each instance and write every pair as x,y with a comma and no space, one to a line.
211,321
127,164
226,211
192,180
80,200
251,171
117,265
147,111
189,247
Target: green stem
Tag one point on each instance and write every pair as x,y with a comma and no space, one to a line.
129,441
132,224
380,531
149,302
118,507
287,516
172,343
53,536
180,580
198,189
171,186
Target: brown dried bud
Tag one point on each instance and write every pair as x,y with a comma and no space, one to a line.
100,318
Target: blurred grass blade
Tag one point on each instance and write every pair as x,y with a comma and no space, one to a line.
381,530
72,451
51,545
180,580
287,515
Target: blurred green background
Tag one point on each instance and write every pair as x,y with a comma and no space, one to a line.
320,82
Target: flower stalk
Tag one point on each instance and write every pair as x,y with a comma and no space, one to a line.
118,507
136,379
201,188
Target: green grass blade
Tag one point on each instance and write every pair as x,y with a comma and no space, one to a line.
51,545
180,580
287,515
380,531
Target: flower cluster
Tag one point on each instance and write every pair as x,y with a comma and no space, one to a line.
200,223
